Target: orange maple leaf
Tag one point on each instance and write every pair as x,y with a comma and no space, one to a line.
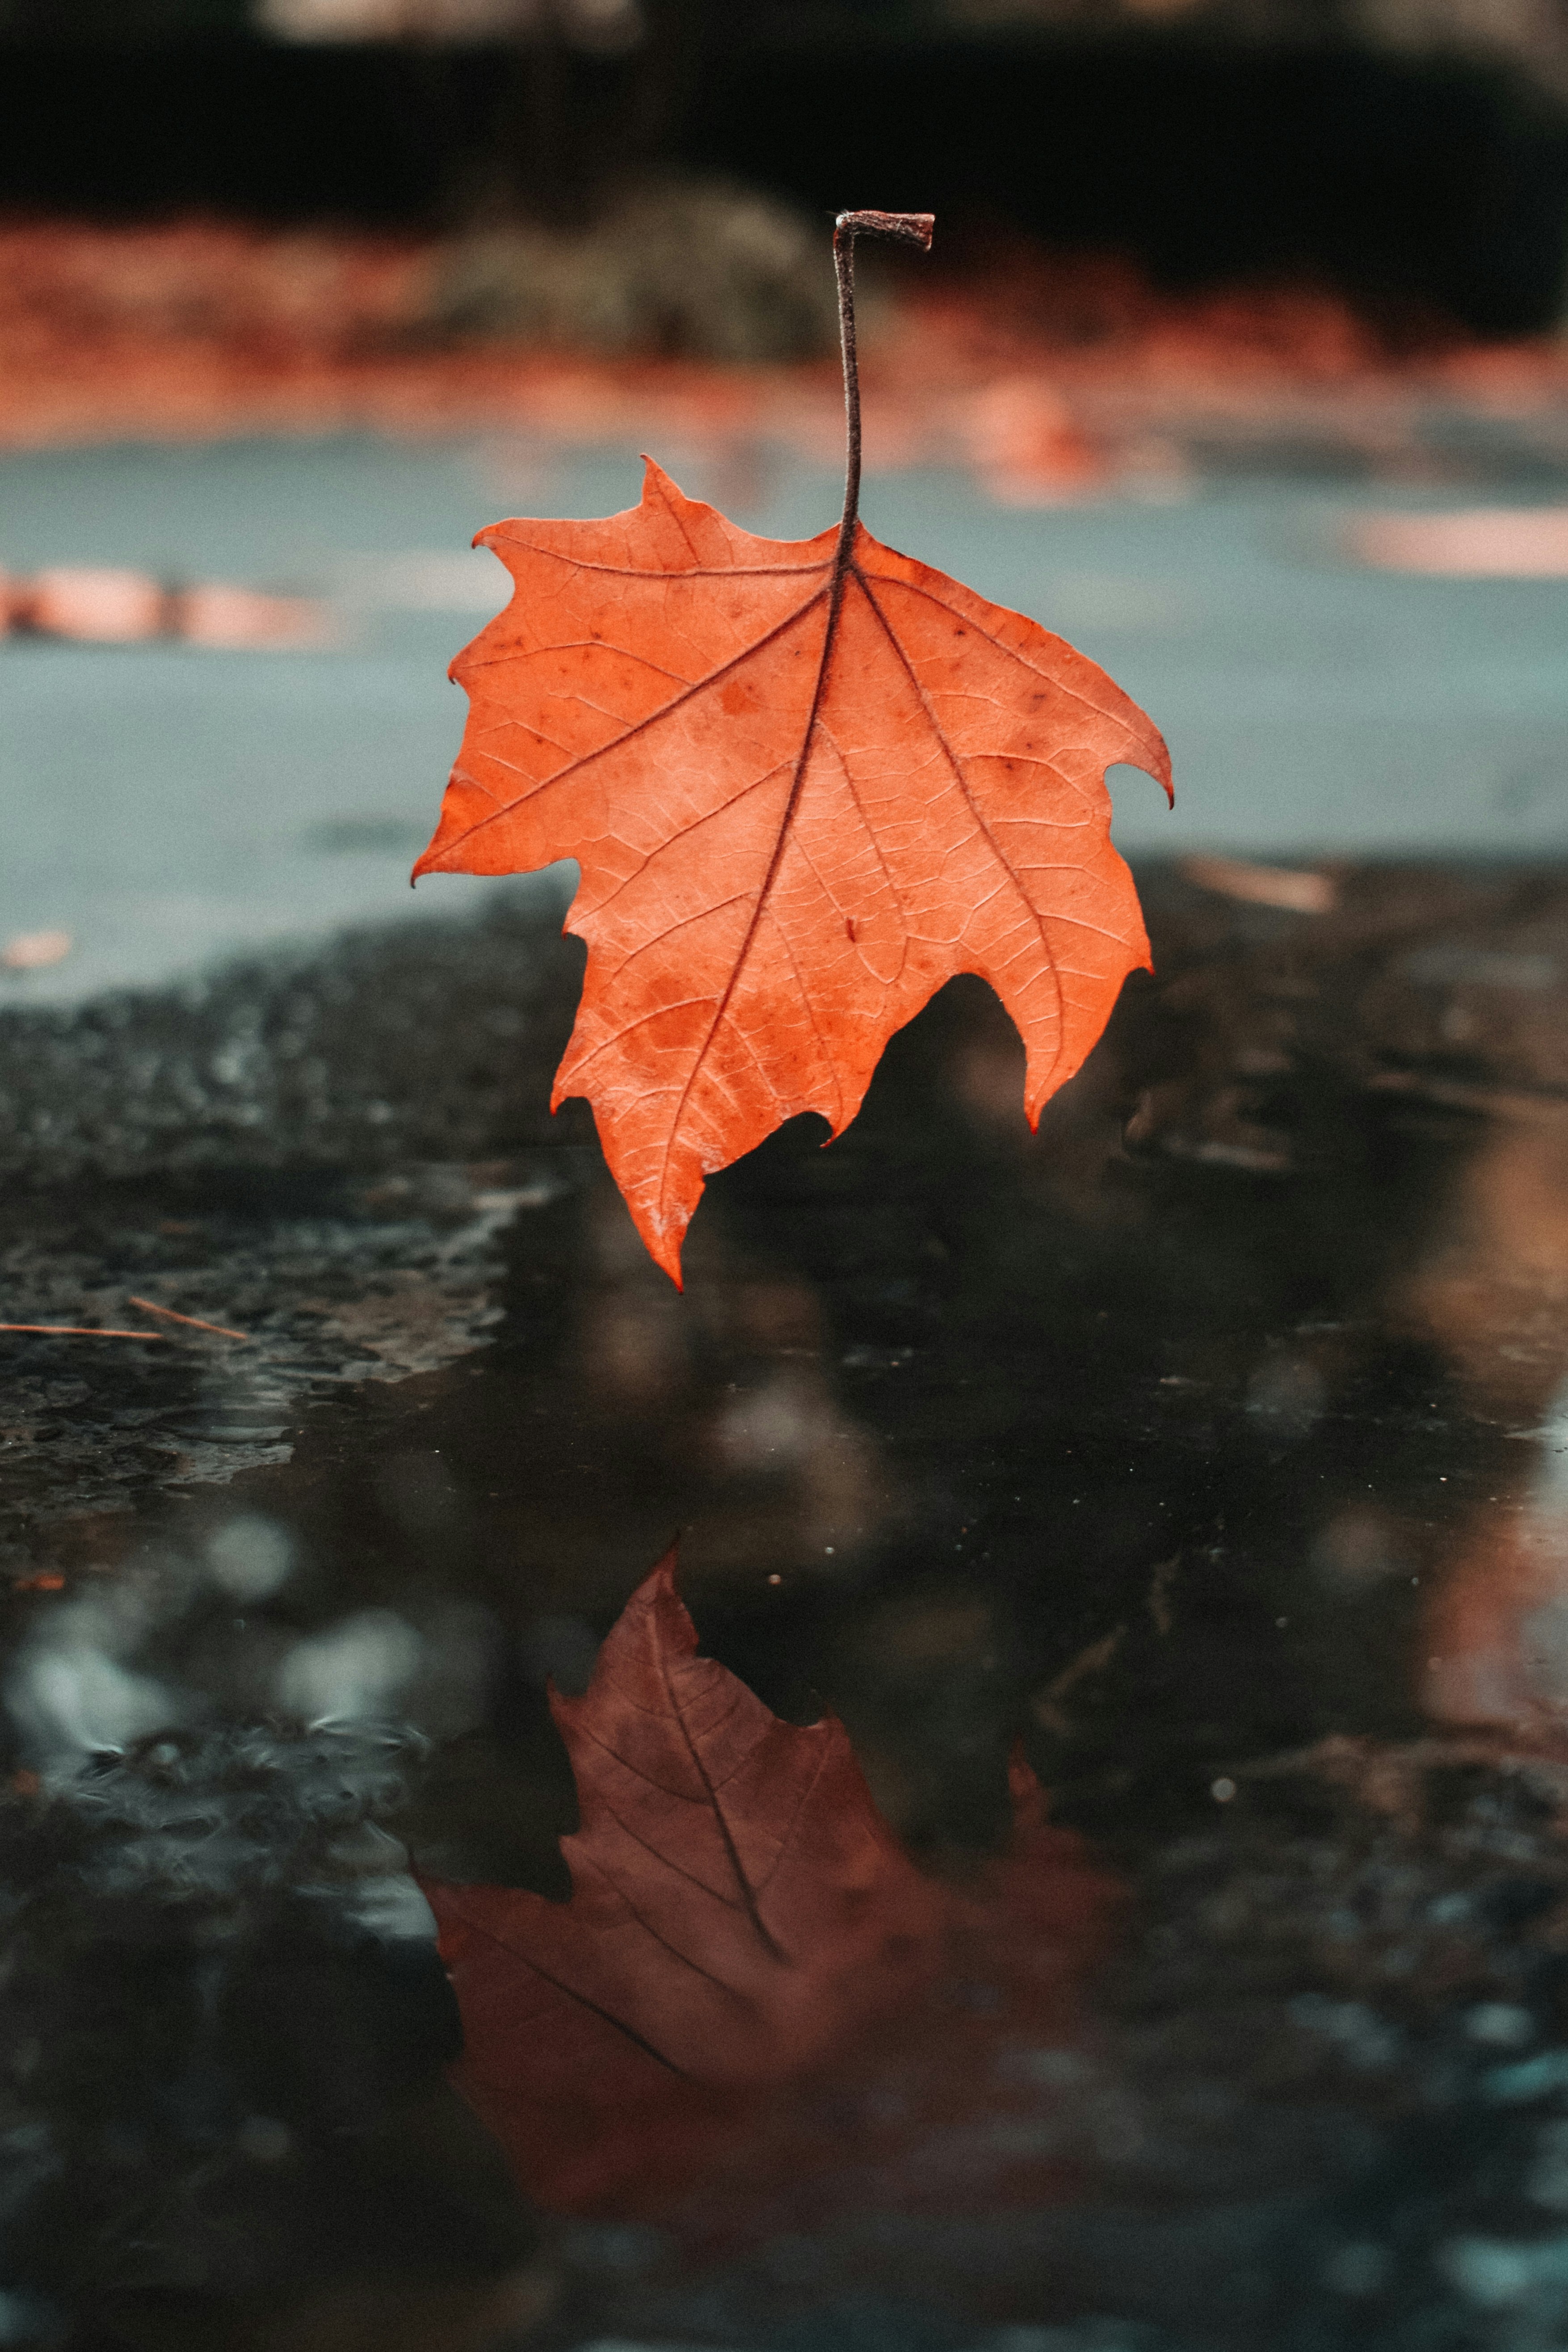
805,782
740,1914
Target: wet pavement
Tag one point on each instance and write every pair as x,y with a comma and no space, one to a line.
1209,1445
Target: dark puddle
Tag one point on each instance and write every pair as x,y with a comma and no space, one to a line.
1212,1445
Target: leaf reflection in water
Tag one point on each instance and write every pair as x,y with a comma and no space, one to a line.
742,1918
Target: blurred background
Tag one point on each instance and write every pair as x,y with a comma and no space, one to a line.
1238,361
341,1408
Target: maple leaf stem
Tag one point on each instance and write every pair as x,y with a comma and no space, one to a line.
899,228
805,783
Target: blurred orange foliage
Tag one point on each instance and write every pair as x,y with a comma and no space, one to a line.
1048,376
